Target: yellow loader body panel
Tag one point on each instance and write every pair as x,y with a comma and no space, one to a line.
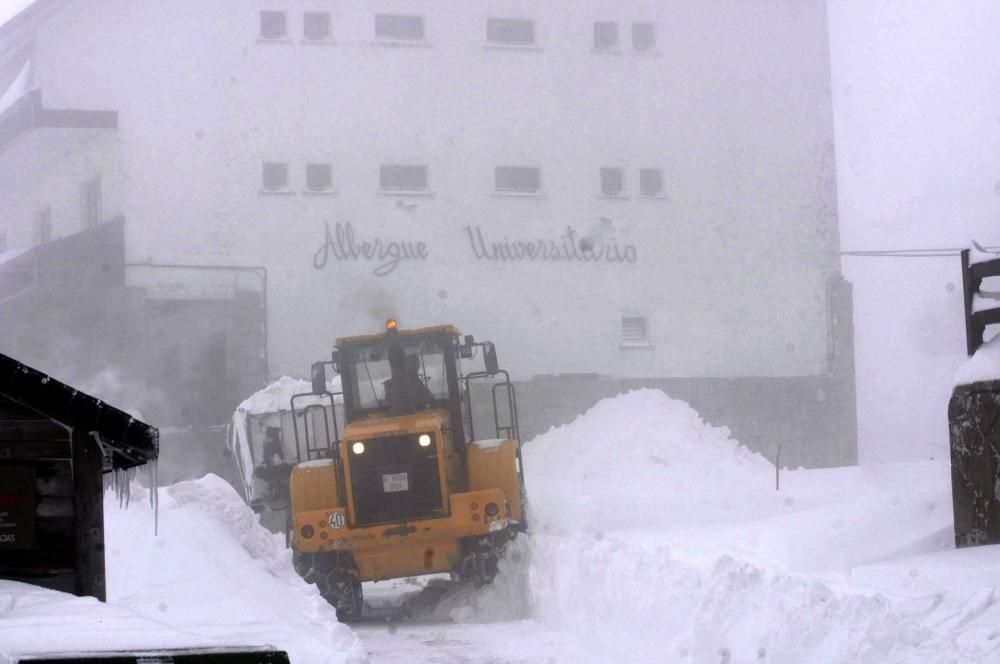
494,464
387,551
420,546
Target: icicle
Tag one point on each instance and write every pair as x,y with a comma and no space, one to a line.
121,482
154,496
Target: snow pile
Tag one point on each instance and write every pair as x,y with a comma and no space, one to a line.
654,531
984,365
507,598
980,254
641,460
212,577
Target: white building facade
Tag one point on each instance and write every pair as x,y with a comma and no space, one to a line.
639,190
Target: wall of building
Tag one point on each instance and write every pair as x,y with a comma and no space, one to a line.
731,263
46,169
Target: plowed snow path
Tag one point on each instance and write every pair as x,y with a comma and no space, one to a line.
511,642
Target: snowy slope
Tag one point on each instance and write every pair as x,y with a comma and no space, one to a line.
211,577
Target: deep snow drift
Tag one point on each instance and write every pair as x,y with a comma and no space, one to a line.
212,577
654,532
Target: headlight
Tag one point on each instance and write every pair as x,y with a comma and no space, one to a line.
358,447
425,440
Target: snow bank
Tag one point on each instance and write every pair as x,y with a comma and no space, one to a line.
980,254
642,460
656,533
213,576
984,365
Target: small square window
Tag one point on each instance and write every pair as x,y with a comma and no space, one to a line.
316,26
403,178
403,28
643,36
612,181
90,203
515,31
273,25
605,35
319,177
43,226
274,176
517,179
635,331
650,182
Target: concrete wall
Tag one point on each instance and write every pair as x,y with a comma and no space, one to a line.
47,168
809,420
734,106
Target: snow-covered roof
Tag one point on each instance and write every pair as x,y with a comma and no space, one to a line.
277,396
18,88
131,442
11,254
980,254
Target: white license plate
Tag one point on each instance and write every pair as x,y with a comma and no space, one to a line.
395,482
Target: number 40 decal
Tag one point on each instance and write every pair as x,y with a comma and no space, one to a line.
336,520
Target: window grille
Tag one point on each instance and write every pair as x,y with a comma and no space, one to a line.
634,331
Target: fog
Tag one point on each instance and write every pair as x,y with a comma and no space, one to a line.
755,206
915,168
917,131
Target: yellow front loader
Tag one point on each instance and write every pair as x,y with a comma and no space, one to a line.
406,489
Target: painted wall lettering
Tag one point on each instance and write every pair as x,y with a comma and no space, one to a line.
17,507
341,244
569,247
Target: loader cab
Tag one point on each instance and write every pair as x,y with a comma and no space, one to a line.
401,373
409,372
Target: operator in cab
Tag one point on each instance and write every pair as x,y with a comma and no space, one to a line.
407,391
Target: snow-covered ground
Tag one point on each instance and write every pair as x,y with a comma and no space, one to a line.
655,538
211,577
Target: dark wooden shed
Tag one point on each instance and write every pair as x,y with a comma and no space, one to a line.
56,444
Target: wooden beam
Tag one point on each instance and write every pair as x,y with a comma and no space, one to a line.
35,450
44,429
88,482
987,317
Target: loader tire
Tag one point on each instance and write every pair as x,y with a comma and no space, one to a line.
336,576
481,557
